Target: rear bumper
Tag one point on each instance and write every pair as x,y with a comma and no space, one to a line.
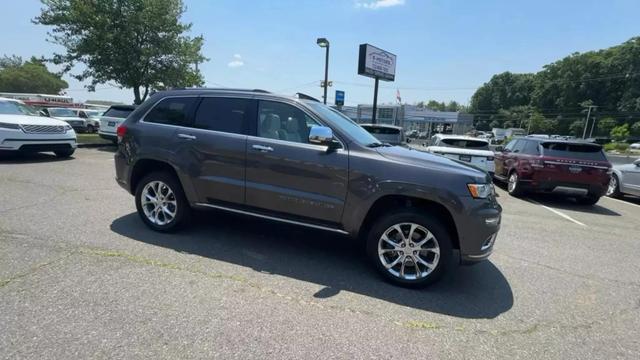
107,136
565,188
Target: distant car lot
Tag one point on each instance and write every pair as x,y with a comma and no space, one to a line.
88,279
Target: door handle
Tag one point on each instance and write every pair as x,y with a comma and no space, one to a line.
262,148
186,136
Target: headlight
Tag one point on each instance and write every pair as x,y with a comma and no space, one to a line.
9,126
67,127
480,191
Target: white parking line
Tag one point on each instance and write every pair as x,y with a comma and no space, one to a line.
621,201
561,214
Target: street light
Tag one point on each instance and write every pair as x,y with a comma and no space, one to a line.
324,43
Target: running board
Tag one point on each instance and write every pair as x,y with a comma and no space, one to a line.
244,212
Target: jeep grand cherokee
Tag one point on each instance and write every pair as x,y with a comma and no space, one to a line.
298,161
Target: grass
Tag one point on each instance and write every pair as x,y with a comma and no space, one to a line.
91,139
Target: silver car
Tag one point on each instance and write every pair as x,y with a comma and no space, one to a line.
625,180
386,133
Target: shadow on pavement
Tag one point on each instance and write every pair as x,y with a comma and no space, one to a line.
567,203
334,261
29,158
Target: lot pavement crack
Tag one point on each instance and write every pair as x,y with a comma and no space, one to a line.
32,270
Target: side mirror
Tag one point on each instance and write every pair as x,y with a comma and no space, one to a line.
408,140
322,135
42,113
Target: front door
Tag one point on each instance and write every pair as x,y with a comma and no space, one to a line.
286,174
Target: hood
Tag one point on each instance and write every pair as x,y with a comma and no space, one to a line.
428,160
460,151
30,120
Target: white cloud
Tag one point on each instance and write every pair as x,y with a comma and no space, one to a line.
236,62
378,4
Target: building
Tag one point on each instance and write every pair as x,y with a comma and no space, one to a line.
411,117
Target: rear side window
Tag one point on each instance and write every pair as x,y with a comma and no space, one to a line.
171,111
225,114
382,130
465,143
117,113
574,151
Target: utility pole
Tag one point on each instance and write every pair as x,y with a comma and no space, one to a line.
375,101
593,124
586,123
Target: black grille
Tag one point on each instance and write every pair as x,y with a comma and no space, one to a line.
43,129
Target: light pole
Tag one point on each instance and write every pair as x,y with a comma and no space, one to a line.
324,43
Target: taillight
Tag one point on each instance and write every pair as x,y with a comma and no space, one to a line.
120,132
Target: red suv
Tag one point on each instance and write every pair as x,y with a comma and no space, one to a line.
572,168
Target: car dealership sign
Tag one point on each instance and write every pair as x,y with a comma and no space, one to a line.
376,63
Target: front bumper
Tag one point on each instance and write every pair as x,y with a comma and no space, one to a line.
478,228
19,141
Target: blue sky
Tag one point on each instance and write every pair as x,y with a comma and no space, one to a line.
445,48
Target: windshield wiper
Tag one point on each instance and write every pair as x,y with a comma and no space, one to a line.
375,145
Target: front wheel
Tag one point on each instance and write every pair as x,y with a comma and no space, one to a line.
409,248
514,187
161,202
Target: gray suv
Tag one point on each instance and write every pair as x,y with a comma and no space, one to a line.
297,161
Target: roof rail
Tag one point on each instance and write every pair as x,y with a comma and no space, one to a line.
225,89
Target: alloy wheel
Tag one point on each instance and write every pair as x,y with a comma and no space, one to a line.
159,203
513,182
613,186
409,251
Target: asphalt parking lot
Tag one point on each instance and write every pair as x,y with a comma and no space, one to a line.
82,277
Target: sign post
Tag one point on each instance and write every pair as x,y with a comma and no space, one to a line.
378,64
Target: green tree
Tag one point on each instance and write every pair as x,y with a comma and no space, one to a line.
635,129
138,44
606,125
538,124
620,133
576,128
28,77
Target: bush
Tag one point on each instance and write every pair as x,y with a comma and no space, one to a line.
622,147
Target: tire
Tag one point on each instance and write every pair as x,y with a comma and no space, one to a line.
90,129
514,187
588,200
614,187
169,186
380,252
63,154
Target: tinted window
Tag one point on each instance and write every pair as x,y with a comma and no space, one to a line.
381,130
518,146
574,151
225,114
62,112
511,145
171,111
284,122
464,143
531,148
343,123
118,112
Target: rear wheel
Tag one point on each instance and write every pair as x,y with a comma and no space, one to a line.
64,153
409,248
614,187
91,129
161,202
514,188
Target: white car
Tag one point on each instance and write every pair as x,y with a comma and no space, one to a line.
67,115
22,130
635,146
111,119
464,148
91,117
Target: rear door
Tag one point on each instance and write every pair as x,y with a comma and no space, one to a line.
213,150
286,174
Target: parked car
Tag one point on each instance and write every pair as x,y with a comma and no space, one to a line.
475,151
635,146
91,117
625,180
111,119
300,162
573,168
386,133
22,130
67,115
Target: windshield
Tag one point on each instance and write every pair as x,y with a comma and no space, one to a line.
344,124
574,151
382,130
465,143
62,112
93,113
16,108
118,112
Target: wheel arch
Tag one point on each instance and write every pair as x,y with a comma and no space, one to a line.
145,166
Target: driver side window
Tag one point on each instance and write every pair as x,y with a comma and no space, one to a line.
283,122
